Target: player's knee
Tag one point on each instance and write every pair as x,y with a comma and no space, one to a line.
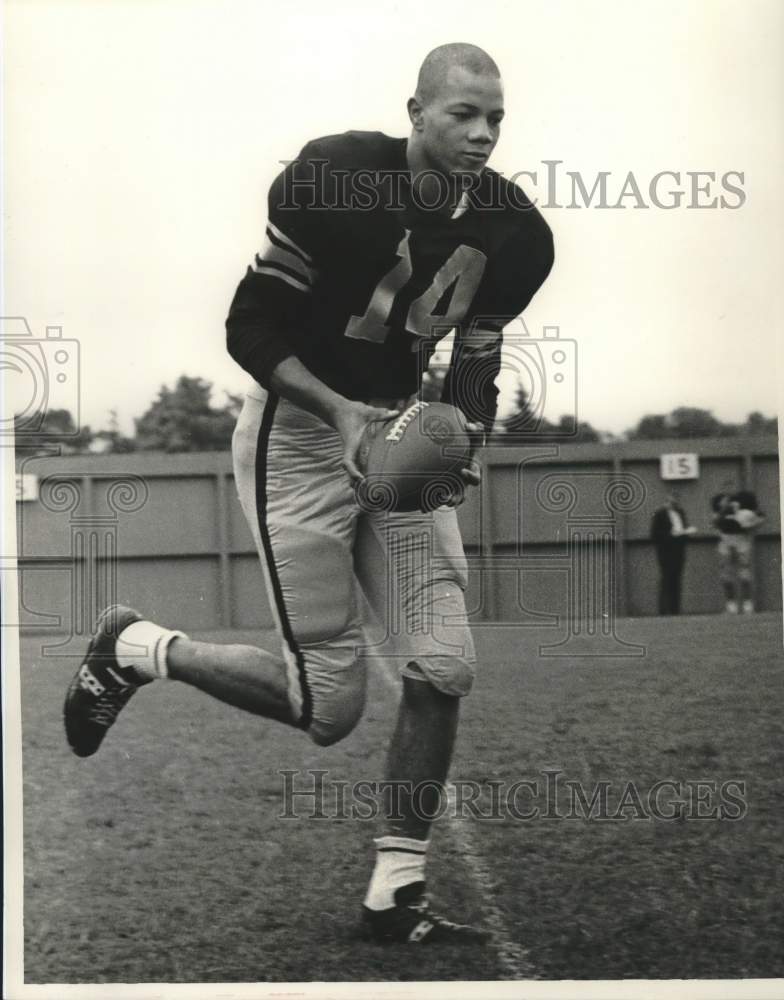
334,718
452,675
333,728
744,574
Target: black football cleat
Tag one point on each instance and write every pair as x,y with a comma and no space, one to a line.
412,921
101,687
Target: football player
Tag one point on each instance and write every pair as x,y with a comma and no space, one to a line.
375,248
736,514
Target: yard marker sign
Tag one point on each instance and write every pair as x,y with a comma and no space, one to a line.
679,465
26,487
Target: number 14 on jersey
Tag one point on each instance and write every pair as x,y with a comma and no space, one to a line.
463,269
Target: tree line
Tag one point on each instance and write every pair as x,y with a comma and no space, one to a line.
683,422
183,418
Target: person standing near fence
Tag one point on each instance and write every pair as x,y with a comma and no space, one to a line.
669,531
736,515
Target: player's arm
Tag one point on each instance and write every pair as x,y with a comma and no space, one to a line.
514,277
470,386
292,380
273,364
271,307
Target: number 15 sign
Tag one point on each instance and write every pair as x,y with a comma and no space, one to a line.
679,466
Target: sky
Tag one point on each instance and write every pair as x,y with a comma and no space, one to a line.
140,139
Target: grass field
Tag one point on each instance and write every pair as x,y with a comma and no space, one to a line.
163,858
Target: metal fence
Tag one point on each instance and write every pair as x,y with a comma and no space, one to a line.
556,535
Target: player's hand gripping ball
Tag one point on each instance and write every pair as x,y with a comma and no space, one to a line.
413,462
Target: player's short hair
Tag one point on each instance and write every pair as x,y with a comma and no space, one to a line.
434,69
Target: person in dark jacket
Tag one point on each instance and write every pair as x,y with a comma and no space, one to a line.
669,531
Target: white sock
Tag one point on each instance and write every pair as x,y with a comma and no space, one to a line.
399,861
143,646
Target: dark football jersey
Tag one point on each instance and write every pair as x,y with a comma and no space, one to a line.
726,504
360,281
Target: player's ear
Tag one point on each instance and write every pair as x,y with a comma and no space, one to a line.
415,113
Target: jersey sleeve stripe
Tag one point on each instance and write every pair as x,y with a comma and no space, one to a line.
276,271
274,233
272,253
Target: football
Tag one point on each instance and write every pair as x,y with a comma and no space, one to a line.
413,461
746,518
